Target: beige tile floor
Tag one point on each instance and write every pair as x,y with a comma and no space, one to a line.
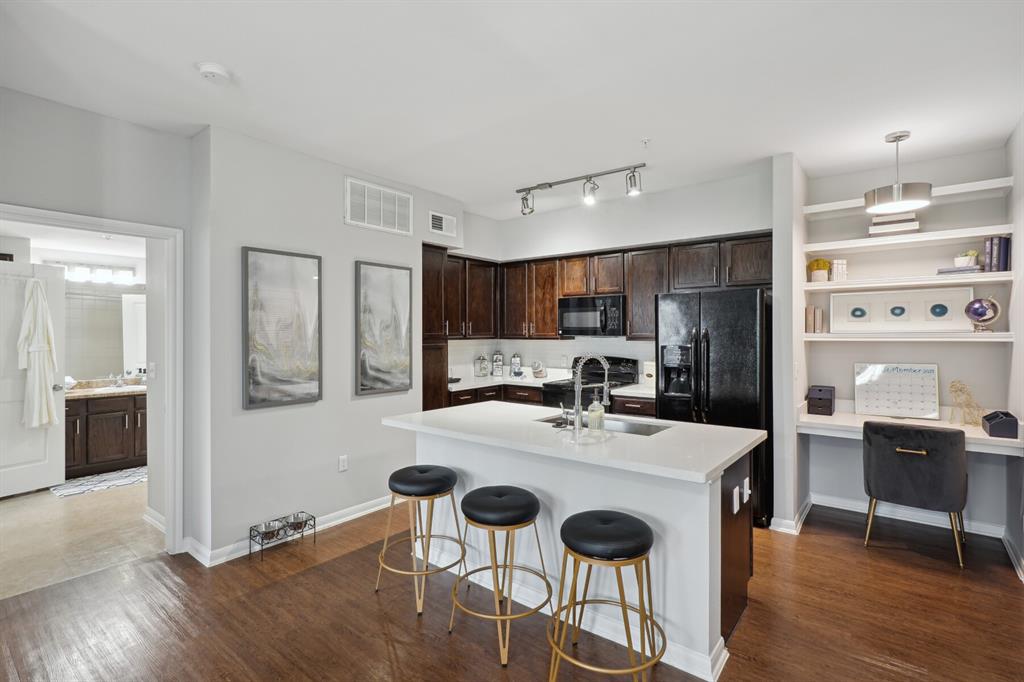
45,539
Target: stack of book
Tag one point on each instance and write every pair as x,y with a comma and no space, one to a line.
997,254
814,320
894,223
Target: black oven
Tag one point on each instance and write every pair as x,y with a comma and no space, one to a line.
591,316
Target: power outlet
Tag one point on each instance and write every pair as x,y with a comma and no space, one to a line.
342,463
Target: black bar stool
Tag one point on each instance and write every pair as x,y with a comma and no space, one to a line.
501,508
421,483
617,540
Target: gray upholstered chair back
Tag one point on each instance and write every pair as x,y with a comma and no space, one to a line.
916,466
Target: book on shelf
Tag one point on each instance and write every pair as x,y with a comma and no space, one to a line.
893,228
814,319
958,270
997,254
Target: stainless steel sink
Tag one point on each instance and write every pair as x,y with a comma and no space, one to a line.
613,424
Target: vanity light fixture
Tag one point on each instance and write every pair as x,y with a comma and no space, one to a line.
633,185
590,187
898,197
527,203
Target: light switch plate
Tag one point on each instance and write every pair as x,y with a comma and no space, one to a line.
736,500
746,489
342,463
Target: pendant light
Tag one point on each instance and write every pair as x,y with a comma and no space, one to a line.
900,196
527,203
633,186
590,192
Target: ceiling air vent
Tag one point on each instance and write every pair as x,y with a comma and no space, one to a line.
377,207
442,224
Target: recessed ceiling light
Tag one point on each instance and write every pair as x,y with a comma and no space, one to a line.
213,72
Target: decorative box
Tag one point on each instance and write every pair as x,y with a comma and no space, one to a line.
821,400
1000,424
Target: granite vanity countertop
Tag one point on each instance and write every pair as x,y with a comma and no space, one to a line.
105,392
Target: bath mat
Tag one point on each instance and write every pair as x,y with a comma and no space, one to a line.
88,484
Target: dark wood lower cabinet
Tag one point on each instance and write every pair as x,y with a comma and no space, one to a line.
492,393
464,397
737,545
523,394
640,406
104,434
435,376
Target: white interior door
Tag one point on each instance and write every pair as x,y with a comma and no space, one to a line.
29,458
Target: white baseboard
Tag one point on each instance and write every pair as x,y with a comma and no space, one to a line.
792,527
154,519
1016,556
895,511
240,548
706,667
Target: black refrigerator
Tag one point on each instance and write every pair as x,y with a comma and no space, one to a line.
714,367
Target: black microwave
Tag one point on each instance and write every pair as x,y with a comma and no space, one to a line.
592,316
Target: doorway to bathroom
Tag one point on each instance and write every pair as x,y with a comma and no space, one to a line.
90,456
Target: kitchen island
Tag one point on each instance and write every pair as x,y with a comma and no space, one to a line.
669,474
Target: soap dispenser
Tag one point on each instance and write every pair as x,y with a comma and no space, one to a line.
595,416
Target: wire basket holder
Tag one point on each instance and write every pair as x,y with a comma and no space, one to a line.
274,531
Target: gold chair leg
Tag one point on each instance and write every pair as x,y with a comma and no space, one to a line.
462,565
576,622
556,659
625,619
963,529
387,533
556,618
871,518
650,598
956,539
643,617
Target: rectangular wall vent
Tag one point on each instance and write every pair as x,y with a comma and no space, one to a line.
377,207
442,224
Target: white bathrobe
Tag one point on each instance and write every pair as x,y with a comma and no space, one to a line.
38,355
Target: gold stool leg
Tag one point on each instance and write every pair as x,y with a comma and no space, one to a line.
576,622
556,618
387,533
462,566
650,598
637,568
871,518
956,539
625,618
556,656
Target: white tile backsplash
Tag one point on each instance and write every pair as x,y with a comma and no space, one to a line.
553,353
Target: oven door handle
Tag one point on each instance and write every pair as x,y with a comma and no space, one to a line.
602,317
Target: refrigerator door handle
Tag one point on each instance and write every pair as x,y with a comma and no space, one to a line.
695,377
705,362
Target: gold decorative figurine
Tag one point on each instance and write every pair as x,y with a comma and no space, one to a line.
963,400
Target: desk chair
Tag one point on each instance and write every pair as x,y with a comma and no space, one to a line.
917,466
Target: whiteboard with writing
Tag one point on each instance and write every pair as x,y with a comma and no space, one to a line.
897,389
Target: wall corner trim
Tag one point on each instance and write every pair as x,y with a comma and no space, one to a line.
792,527
1016,556
154,518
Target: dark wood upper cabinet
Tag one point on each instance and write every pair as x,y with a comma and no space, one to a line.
110,436
543,299
606,274
574,276
694,265
481,300
514,285
747,261
433,294
435,376
646,277
454,297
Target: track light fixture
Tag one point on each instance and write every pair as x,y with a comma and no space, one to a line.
527,203
590,187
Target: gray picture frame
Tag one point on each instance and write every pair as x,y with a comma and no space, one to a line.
370,380
275,392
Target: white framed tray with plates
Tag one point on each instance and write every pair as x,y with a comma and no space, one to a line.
900,311
896,389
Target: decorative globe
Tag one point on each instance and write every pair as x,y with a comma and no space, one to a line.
982,312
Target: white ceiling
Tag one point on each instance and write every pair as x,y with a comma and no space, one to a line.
474,99
75,241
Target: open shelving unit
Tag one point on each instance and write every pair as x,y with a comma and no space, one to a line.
913,282
957,237
962,337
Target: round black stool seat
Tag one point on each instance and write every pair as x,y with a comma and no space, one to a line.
422,480
500,505
609,535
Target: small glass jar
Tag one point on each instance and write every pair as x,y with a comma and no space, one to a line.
482,366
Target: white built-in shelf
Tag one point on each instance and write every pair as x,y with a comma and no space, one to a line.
923,281
890,337
963,235
966,191
850,425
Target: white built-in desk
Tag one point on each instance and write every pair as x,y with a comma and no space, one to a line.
851,425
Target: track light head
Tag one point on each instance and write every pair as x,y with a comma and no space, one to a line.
633,184
527,203
590,192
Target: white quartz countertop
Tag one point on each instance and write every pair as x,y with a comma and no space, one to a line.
697,453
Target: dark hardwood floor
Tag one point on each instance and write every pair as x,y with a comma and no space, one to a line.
822,608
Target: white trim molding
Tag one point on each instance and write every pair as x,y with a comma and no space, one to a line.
1016,556
155,519
210,558
895,511
792,527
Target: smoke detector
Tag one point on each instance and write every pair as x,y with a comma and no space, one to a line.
213,72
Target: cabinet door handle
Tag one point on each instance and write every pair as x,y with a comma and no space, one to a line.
524,329
78,426
521,394
627,328
462,328
465,397
138,420
471,328
446,327
714,274
126,421
634,405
